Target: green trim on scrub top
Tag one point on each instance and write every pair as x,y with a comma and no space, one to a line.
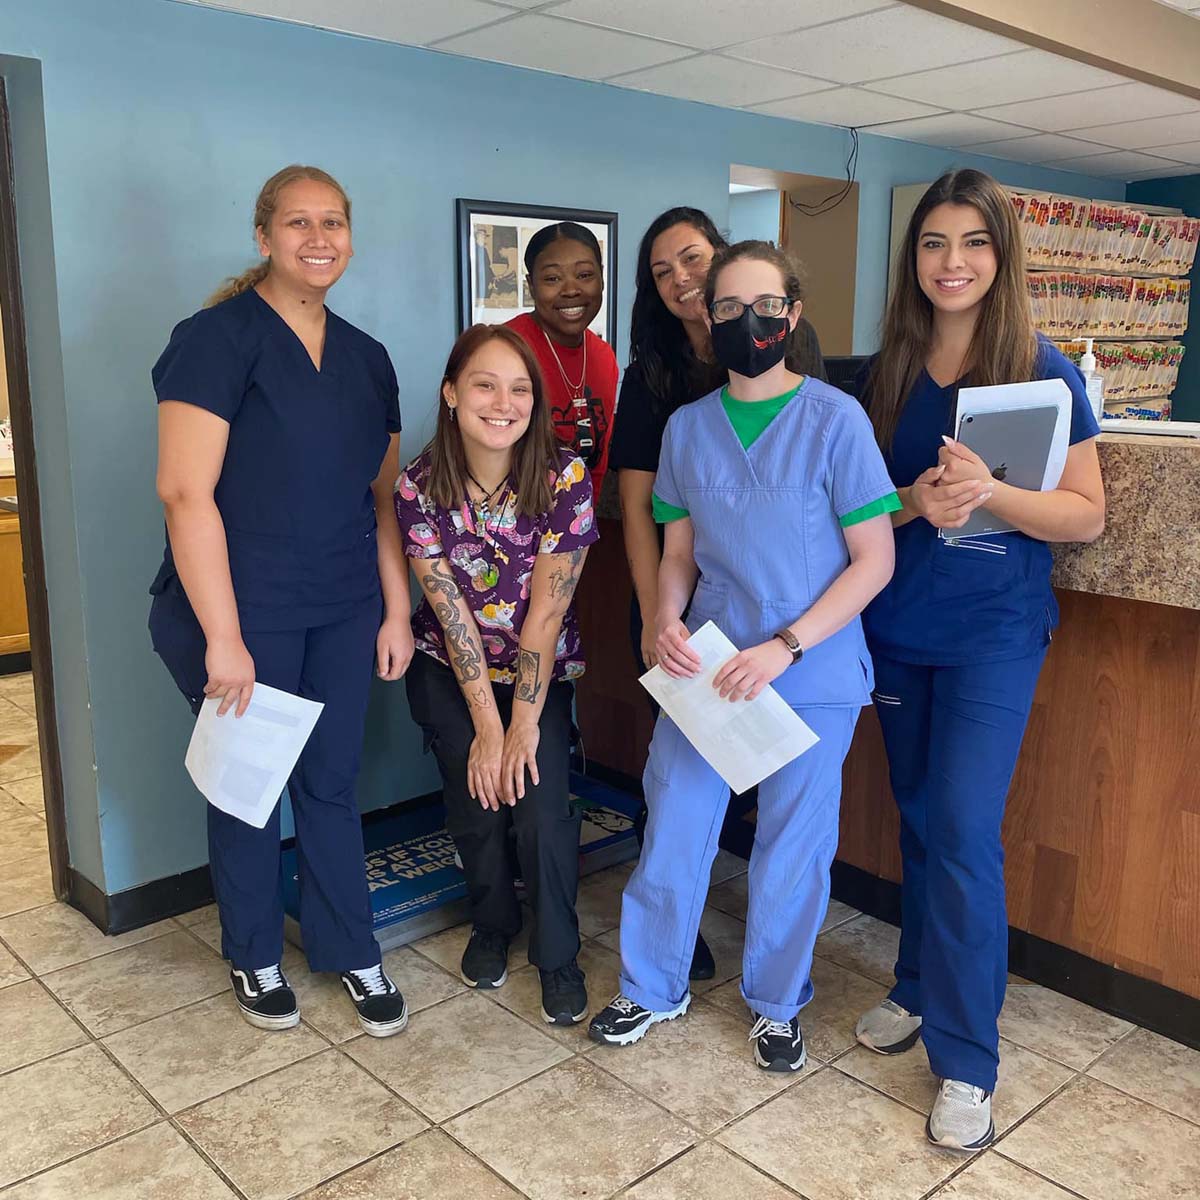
749,419
885,504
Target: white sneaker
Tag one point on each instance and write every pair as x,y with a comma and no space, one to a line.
961,1117
888,1029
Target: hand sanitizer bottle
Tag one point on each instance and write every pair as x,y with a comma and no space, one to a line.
1093,381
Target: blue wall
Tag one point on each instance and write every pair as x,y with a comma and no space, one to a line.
754,215
160,121
1182,191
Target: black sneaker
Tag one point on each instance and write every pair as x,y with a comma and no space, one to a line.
485,960
778,1045
564,997
381,1007
702,966
265,997
624,1022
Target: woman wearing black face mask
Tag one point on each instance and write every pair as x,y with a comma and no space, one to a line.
775,500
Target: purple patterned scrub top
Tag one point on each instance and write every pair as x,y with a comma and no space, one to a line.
493,560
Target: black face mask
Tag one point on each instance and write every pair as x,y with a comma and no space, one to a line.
751,345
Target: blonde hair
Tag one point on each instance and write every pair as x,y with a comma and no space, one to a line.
264,210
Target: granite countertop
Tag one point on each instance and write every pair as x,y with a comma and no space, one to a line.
1150,548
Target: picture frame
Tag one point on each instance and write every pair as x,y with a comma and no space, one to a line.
492,236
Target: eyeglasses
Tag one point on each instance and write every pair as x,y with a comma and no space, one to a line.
764,306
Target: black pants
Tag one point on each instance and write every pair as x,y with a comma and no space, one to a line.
545,821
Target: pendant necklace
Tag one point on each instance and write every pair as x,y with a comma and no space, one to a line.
491,576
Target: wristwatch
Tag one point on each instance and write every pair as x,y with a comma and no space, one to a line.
789,639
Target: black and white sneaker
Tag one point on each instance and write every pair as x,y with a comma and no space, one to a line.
624,1021
564,995
485,960
265,997
778,1045
381,1008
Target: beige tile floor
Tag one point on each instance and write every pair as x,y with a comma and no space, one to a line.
126,1074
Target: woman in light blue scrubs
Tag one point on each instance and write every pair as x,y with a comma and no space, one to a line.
959,634
775,500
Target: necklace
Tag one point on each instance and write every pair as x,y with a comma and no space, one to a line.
576,389
490,575
484,505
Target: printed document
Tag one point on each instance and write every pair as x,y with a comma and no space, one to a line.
241,764
743,741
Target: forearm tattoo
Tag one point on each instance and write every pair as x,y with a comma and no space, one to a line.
462,641
480,697
565,575
529,687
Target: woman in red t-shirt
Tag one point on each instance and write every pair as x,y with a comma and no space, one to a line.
566,280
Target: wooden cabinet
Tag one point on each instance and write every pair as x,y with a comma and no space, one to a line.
14,619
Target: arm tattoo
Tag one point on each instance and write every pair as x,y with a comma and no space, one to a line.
565,576
480,697
463,649
529,688
441,582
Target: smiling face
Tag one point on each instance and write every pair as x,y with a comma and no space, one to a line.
679,261
308,237
567,288
956,259
492,397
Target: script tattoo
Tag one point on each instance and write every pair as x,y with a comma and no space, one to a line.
528,687
565,575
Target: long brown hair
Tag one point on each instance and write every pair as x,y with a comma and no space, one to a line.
1004,343
535,463
264,209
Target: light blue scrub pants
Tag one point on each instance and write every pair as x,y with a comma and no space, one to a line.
794,845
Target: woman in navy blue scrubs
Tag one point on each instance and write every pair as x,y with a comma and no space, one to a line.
279,431
959,635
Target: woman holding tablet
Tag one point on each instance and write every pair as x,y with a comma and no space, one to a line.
959,635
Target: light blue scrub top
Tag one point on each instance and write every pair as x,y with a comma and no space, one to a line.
766,522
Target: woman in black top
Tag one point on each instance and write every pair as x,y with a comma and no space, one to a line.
671,363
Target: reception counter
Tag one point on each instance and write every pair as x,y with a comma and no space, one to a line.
1102,833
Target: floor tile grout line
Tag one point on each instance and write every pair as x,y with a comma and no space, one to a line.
106,953
1038,1174
761,1170
482,1162
207,1159
1116,1087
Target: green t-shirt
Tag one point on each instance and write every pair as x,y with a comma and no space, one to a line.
750,419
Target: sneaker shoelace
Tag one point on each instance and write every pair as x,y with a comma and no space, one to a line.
373,981
963,1093
624,1005
765,1027
892,1007
269,979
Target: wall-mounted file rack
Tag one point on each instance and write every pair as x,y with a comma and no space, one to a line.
1109,271
1115,273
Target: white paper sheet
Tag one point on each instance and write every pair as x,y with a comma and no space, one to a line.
241,764
743,741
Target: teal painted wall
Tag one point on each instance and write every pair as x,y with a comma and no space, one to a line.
754,215
144,129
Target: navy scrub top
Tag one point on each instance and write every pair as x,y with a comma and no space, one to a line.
304,448
983,599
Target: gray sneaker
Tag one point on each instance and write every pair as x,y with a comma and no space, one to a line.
888,1029
961,1117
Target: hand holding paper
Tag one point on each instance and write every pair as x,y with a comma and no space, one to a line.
743,742
241,764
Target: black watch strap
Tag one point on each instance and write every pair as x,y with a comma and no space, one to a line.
789,639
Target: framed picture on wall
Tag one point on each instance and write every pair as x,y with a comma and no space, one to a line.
492,238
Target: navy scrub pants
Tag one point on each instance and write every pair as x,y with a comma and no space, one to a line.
333,664
952,736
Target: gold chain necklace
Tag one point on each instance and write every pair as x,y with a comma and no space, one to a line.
576,389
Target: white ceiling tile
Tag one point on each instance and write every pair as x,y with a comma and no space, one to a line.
949,129
563,47
846,106
1128,102
1027,75
1119,164
715,80
411,22
1042,147
1136,135
707,24
1186,152
1161,174
878,44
